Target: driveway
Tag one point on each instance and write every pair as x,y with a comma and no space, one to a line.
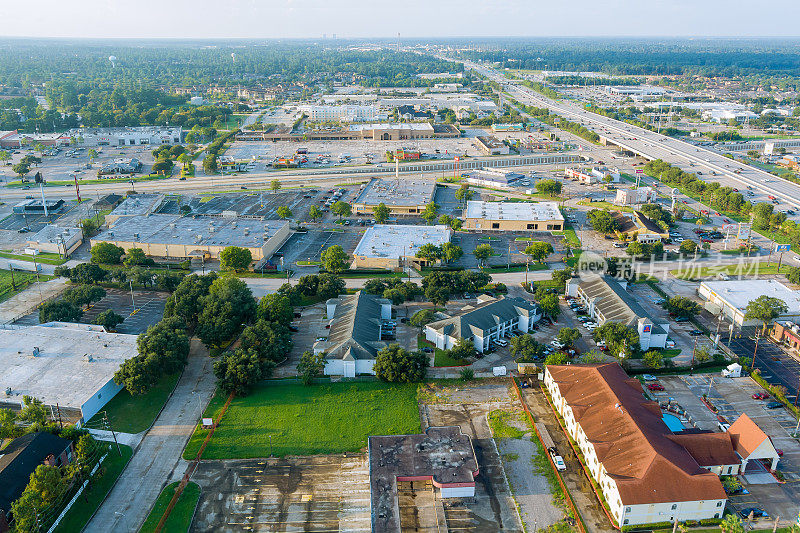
157,460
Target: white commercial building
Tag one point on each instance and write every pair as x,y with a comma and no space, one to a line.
71,365
513,216
646,473
344,113
391,246
129,136
633,196
731,298
56,240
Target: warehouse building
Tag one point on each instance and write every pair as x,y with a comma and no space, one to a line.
442,455
607,300
730,298
56,240
491,145
36,207
344,113
496,178
633,196
71,365
180,237
128,136
485,323
392,246
513,216
356,329
647,474
402,197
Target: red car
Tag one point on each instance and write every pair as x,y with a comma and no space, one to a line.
780,452
655,386
760,396
709,241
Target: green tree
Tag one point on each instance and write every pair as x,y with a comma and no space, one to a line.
186,159
235,258
556,358
239,371
429,213
462,350
109,320
107,253
549,305
396,365
87,273
682,306
33,411
45,486
275,185
186,302
463,193
275,308
334,259
567,336
341,209
766,309
5,157
422,318
21,169
687,247
8,426
561,276
284,212
539,250
482,252
732,524
548,187
653,359
210,164
702,354
430,252
227,307
330,286
310,366
602,221
314,213
381,213
81,295
59,311
451,252
618,337
526,349
136,256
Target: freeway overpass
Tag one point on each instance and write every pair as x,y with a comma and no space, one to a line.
651,145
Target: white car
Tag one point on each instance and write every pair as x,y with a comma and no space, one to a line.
559,462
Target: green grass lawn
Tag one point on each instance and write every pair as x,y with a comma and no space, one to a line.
132,414
21,281
45,258
102,482
180,518
319,419
750,269
570,236
516,267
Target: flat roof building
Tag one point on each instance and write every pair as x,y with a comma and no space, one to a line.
647,473
392,246
355,334
35,207
484,323
493,177
56,240
128,136
136,205
402,197
731,298
513,216
443,455
491,145
71,365
607,300
184,237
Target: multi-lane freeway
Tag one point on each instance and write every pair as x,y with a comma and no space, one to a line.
651,145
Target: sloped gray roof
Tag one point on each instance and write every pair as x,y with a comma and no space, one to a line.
356,328
614,302
475,320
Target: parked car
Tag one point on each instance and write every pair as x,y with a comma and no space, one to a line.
760,396
427,350
695,332
649,377
557,459
655,386
756,511
773,405
682,319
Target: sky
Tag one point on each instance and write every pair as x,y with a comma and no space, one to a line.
379,18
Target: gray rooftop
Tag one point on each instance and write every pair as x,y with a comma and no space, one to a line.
61,373
513,210
443,454
396,240
486,314
138,204
356,327
403,192
201,231
53,234
614,302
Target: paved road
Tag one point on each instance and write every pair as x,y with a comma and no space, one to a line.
652,145
158,458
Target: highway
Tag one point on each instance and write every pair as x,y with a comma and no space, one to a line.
651,145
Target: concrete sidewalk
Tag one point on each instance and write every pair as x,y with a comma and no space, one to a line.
159,454
26,301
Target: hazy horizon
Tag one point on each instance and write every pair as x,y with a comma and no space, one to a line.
350,19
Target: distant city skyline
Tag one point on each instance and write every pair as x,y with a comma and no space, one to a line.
183,19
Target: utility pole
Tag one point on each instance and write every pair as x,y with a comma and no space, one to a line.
58,410
109,428
753,362
133,302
